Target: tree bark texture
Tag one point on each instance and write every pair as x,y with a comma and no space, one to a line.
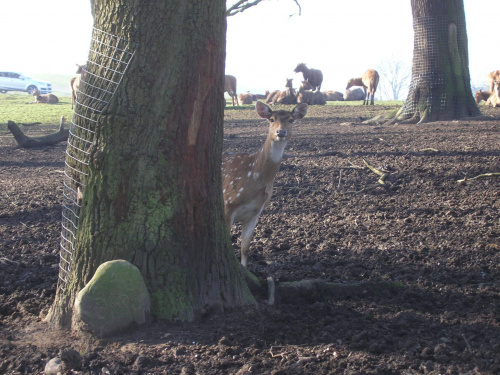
153,195
440,86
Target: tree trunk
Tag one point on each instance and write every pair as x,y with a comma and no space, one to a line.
154,195
440,86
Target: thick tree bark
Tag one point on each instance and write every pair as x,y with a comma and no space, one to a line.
440,86
154,191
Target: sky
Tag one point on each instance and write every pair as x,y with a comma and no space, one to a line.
264,43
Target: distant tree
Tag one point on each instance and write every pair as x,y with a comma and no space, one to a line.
395,76
440,87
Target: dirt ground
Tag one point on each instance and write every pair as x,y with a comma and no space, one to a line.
437,241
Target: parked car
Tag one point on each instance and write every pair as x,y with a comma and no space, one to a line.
12,81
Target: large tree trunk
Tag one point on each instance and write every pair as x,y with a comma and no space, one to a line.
440,86
153,195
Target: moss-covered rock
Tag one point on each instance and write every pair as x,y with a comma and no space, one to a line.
113,300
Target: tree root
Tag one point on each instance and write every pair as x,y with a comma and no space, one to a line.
314,290
311,291
48,140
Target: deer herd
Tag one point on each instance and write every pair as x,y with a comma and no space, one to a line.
309,90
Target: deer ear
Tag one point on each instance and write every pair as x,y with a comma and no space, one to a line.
300,111
263,110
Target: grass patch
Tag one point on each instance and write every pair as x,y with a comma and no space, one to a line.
13,107
229,104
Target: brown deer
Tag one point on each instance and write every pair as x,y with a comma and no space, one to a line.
44,98
74,83
230,88
287,96
245,98
313,76
306,95
492,77
248,178
481,95
368,82
494,99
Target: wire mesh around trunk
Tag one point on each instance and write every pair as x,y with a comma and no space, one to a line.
109,57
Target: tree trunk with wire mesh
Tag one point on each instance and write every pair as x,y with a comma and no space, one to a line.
440,85
153,194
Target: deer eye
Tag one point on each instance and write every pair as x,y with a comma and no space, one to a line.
271,120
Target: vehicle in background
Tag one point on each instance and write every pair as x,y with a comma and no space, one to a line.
12,81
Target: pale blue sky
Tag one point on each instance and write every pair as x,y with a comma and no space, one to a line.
264,44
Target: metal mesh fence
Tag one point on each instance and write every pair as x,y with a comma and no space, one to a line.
427,61
109,57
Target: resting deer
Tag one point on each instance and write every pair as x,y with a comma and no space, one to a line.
44,98
368,82
481,95
248,178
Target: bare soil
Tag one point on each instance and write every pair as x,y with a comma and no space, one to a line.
437,241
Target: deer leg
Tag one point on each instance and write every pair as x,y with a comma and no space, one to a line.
365,100
247,229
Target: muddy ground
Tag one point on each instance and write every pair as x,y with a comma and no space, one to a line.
437,241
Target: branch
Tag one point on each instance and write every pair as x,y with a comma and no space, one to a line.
380,182
484,175
242,5
47,140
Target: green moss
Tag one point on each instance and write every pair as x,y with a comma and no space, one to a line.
172,301
114,298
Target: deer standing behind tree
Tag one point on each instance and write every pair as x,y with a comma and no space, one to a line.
230,88
74,83
248,178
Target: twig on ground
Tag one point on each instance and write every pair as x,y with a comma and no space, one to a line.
484,175
381,181
303,360
467,342
4,260
282,354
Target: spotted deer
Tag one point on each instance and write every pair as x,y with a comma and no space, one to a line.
248,178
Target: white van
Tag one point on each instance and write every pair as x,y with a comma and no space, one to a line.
12,81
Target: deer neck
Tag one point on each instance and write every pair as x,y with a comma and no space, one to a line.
268,159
